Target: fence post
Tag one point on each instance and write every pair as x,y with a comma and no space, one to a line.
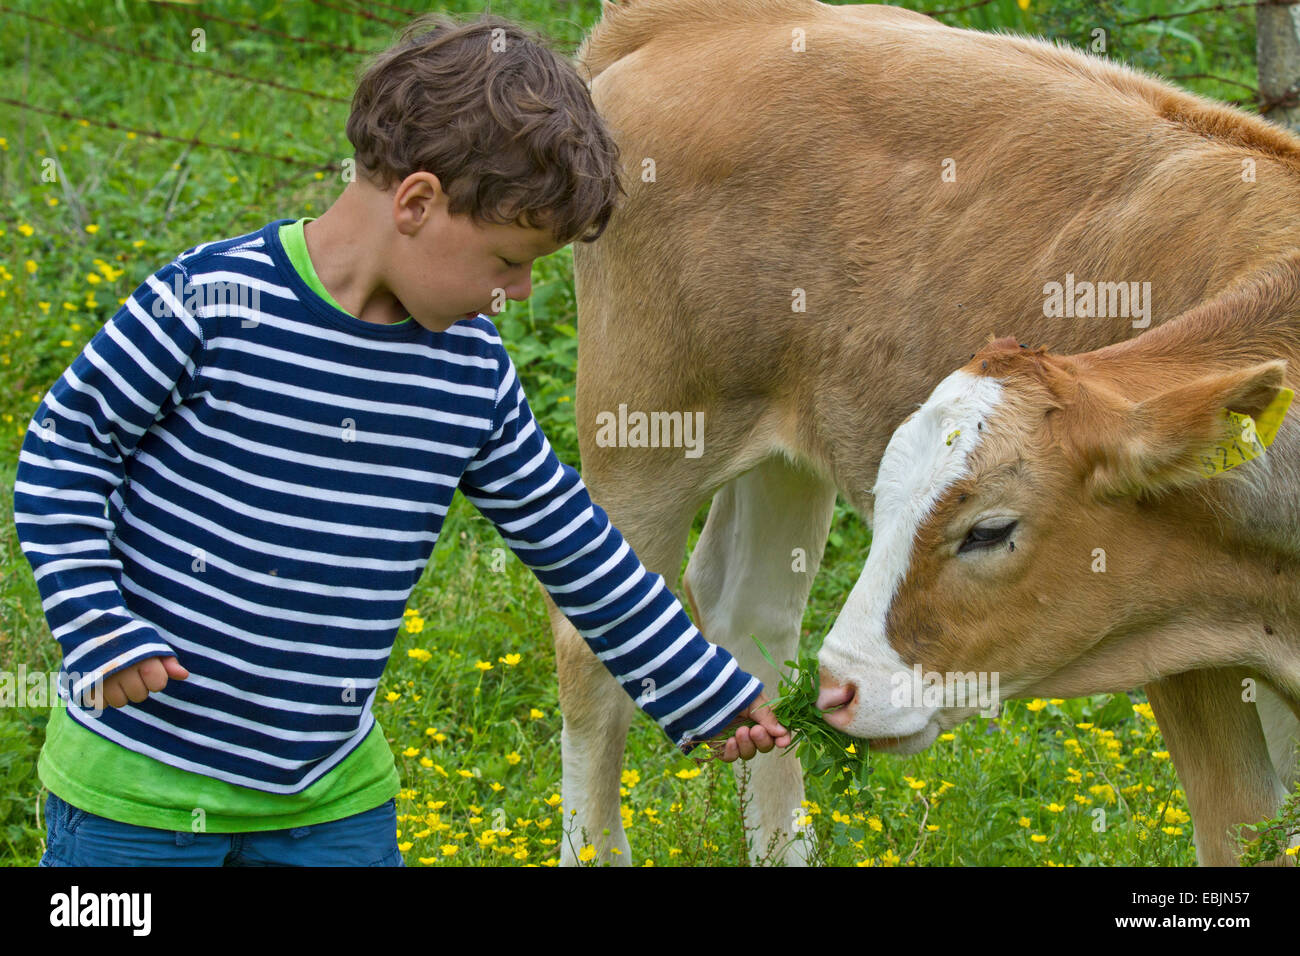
1277,53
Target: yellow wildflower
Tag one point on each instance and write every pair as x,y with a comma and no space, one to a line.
1104,791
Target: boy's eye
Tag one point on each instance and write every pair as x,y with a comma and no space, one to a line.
508,262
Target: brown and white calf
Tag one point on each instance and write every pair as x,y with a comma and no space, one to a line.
829,209
1060,521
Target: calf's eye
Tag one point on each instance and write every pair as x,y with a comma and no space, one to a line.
986,536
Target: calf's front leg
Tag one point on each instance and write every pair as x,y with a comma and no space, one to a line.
1218,748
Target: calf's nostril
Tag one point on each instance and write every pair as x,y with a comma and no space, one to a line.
833,695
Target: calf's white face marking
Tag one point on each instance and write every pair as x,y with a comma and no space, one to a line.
926,454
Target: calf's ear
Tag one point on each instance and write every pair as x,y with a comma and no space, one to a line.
1182,435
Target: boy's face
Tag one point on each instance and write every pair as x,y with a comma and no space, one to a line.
448,268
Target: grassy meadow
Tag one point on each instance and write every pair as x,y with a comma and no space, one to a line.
470,700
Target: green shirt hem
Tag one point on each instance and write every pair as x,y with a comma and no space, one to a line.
140,790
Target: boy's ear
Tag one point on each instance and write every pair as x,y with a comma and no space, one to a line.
1176,438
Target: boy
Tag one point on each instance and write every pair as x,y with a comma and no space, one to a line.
229,496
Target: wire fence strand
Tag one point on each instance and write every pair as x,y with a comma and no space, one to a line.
1262,102
157,134
1217,8
305,41
225,74
359,12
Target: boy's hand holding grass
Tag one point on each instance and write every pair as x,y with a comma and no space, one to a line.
796,708
135,682
756,731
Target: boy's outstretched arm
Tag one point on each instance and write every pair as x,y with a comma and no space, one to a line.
627,615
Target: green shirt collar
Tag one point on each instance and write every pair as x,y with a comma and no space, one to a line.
295,245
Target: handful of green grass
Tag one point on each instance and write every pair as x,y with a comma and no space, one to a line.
822,748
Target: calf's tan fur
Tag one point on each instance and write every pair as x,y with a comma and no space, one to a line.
829,209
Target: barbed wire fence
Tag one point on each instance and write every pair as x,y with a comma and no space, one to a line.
305,166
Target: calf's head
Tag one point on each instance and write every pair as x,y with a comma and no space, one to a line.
1040,529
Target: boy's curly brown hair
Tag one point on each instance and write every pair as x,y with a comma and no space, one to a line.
503,121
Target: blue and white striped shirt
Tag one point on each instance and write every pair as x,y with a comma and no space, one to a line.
235,472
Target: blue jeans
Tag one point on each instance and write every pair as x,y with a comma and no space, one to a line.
74,837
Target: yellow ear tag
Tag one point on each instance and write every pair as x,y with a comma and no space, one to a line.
1252,436
952,435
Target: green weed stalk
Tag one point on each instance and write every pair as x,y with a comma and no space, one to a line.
820,747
